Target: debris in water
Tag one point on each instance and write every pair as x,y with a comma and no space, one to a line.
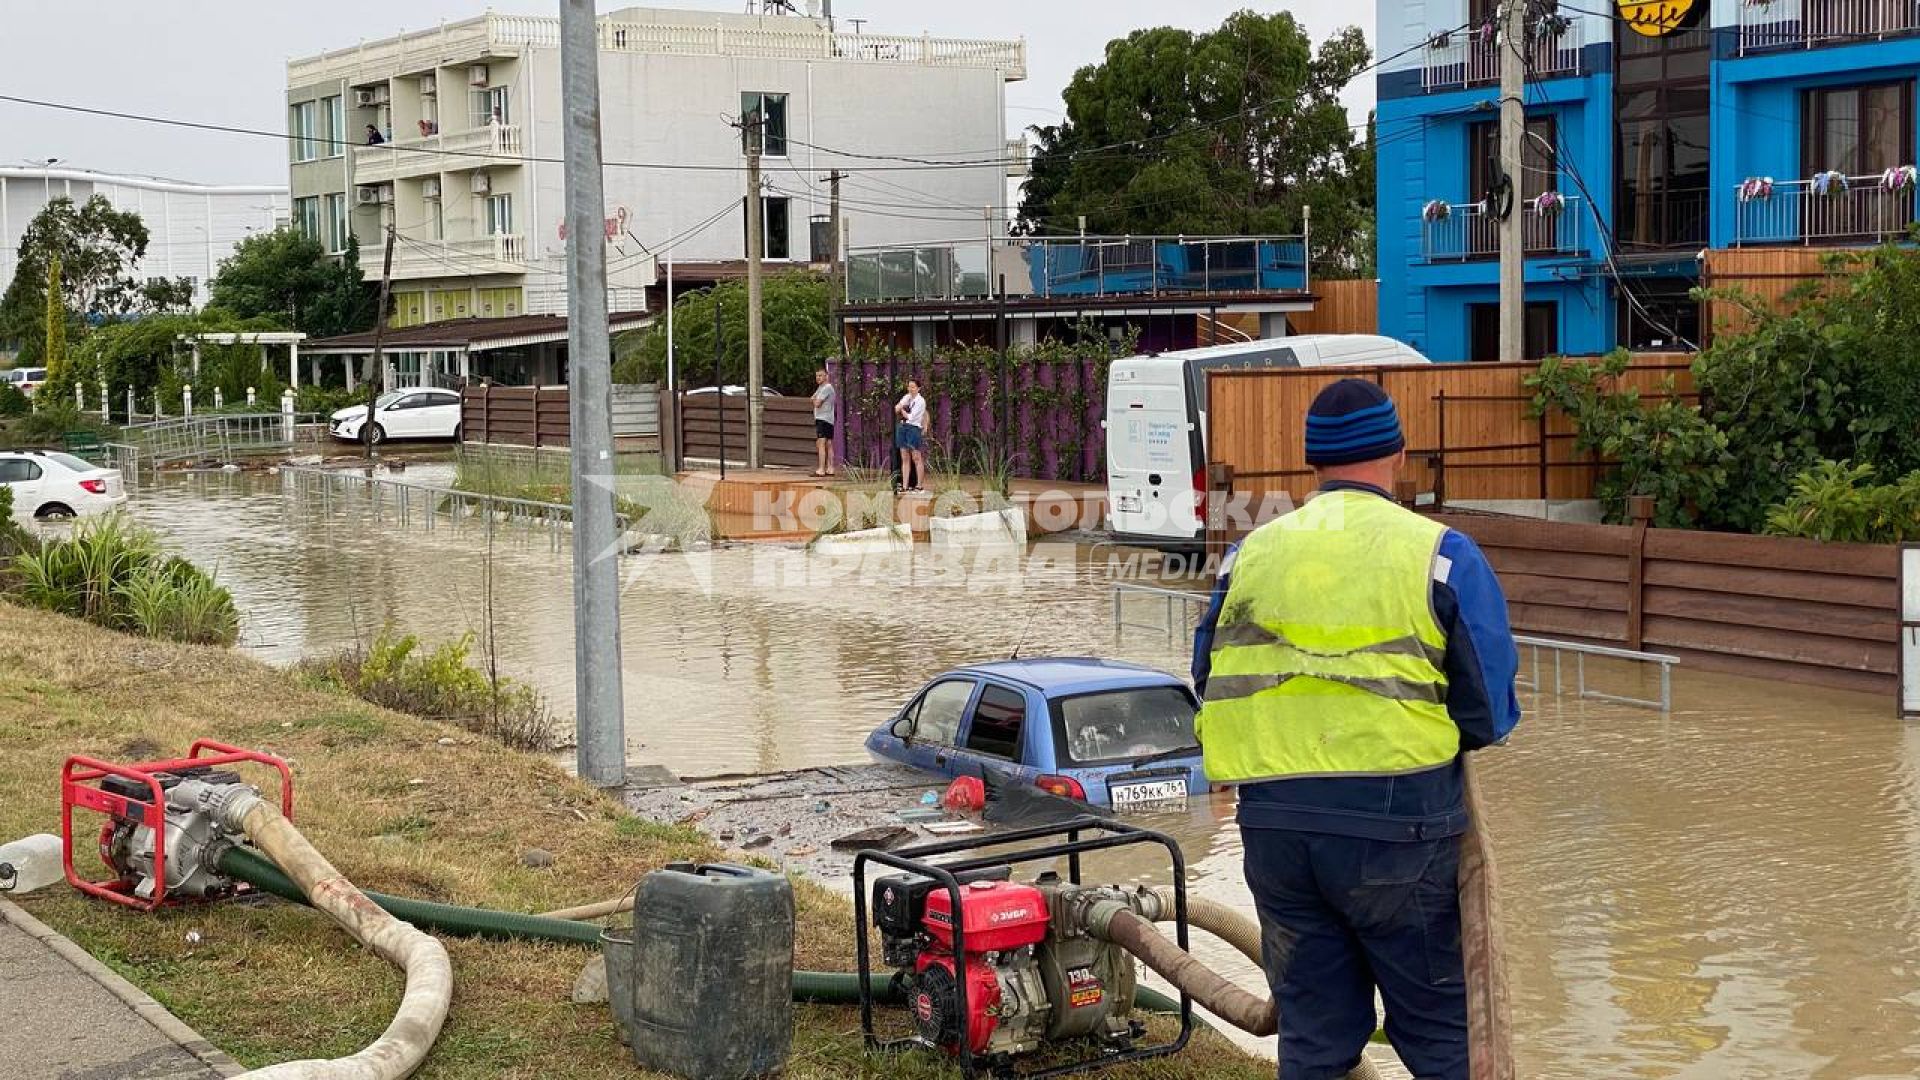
950,828
757,842
802,851
931,798
822,806
697,816
786,829
880,838
932,814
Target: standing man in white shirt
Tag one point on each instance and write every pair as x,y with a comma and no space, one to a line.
824,403
911,437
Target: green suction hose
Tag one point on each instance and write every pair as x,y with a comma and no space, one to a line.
809,987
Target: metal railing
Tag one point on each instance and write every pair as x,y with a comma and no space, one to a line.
1470,232
1770,25
1580,651
1175,627
1080,267
453,44
407,504
214,436
1472,58
1799,212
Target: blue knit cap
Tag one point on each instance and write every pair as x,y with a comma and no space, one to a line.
1350,421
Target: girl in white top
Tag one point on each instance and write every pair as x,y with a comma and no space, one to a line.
911,437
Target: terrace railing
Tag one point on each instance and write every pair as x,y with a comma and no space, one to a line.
1862,211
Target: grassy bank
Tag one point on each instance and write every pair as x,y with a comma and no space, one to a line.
399,812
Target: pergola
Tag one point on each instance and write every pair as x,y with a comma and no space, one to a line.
266,339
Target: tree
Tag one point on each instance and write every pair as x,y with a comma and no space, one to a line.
96,245
55,331
1232,131
166,296
287,276
795,317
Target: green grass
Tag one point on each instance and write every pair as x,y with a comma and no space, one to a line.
271,982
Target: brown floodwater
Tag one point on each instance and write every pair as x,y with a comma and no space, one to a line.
1732,890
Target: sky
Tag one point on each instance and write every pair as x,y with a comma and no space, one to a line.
224,62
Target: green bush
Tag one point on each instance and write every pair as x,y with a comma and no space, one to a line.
49,426
13,402
113,574
14,538
325,400
1838,501
395,672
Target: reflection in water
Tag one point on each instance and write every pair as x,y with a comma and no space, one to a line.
1731,891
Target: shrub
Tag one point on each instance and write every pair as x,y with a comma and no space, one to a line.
13,402
442,684
14,538
1838,501
113,574
49,426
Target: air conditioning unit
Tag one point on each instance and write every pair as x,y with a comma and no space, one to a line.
477,76
430,188
482,183
364,98
367,196
429,86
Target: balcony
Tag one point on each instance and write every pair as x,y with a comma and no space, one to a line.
470,257
478,148
1469,232
1795,212
1774,25
1472,58
1080,268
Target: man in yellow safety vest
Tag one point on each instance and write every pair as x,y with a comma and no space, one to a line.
1353,650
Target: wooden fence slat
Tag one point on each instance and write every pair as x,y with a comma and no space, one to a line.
1798,646
1774,552
1883,593
1551,563
1565,592
1807,616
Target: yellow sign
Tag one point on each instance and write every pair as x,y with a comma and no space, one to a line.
1661,17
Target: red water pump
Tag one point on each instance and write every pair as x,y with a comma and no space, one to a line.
991,969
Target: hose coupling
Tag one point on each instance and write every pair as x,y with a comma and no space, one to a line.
227,804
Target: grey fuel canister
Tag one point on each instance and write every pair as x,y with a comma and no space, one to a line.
712,972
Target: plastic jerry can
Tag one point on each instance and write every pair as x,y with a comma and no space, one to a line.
712,972
30,863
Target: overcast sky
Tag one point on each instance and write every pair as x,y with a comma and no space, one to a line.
224,62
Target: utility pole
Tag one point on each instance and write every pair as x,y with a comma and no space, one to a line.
373,368
599,717
756,242
1513,133
833,215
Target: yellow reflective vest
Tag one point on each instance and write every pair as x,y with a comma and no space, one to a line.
1327,658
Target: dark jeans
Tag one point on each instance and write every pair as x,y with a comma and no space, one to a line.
1340,916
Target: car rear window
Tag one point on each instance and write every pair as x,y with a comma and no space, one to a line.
1123,725
71,462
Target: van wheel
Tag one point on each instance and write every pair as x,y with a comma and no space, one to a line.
54,512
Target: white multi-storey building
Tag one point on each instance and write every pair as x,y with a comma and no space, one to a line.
191,228
469,167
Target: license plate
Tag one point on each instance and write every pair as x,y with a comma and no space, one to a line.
1153,793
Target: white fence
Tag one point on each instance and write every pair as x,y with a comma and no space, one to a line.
1470,232
1767,25
1472,58
1796,212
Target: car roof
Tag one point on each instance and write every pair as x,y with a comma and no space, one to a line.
1058,676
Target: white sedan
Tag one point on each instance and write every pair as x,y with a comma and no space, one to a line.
402,414
50,484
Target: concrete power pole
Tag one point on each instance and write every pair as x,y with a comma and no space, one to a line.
833,216
374,368
756,243
1513,133
599,717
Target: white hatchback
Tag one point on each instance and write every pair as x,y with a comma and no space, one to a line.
402,414
52,484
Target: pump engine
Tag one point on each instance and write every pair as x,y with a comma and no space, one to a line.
1031,974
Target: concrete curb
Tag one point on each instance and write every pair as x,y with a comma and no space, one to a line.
130,995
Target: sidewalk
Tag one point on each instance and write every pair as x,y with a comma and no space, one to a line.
66,1016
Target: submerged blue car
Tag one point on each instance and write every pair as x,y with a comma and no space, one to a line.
1103,732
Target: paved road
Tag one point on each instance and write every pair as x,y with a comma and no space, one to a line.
61,1021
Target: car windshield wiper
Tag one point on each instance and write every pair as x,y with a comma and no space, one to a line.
1178,751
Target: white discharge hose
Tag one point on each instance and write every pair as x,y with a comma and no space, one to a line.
423,1008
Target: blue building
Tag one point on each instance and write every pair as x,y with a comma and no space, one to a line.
1656,132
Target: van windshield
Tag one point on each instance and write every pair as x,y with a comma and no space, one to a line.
1123,725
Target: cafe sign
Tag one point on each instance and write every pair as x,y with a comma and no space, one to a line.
1661,17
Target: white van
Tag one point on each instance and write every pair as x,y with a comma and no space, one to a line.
1157,425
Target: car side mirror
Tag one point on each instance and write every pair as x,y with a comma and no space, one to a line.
903,728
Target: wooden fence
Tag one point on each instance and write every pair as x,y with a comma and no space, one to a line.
540,415
787,434
1469,437
1344,307
1768,274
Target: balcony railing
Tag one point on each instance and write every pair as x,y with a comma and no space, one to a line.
431,154
1794,212
466,257
1080,268
505,35
1804,24
1472,58
1468,231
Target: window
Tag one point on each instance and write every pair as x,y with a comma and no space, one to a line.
774,219
1537,164
1540,339
763,119
1859,130
494,106
336,222
306,217
997,720
18,471
1123,725
499,215
333,126
1661,103
936,716
303,129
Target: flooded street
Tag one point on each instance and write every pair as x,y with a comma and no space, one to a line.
1729,891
